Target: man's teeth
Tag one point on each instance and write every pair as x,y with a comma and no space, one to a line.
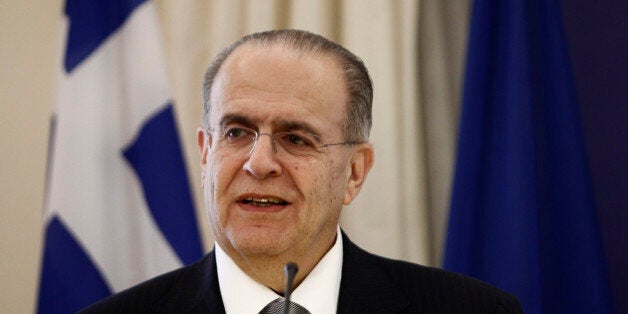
263,202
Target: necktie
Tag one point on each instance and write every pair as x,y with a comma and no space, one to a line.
277,307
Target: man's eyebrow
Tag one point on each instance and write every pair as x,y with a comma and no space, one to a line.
235,118
284,125
281,125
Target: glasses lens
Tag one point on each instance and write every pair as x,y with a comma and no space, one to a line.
297,143
236,136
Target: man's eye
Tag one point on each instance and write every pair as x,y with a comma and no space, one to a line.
296,139
234,133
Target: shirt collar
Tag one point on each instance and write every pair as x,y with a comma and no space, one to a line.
318,292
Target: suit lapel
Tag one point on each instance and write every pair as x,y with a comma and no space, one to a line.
197,291
365,287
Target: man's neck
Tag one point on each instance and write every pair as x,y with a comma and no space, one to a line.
269,270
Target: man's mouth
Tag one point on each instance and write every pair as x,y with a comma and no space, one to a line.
263,202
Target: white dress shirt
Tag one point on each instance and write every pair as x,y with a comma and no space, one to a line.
318,292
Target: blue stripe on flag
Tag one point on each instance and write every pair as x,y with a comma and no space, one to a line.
522,215
69,279
91,22
156,157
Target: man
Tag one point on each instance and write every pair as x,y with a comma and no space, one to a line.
284,146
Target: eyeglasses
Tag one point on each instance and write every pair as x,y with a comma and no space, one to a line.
295,143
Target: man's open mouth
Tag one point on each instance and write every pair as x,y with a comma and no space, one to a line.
264,202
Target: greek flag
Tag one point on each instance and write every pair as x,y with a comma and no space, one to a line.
118,205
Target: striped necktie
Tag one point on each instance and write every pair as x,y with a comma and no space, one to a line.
277,307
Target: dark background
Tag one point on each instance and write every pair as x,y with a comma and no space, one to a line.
597,37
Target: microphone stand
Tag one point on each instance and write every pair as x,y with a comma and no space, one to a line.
291,270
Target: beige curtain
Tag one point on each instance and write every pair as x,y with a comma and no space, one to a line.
414,51
443,32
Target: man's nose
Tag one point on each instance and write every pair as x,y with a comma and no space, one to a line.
263,161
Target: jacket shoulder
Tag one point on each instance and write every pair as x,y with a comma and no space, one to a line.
447,289
148,295
367,278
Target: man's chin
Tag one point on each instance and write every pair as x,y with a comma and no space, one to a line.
261,242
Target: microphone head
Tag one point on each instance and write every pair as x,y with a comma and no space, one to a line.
291,269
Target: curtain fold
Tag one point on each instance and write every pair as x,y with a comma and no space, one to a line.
442,41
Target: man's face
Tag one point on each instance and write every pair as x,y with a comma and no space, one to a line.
271,90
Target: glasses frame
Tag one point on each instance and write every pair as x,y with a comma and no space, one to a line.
273,137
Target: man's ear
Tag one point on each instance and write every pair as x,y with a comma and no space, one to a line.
361,163
203,142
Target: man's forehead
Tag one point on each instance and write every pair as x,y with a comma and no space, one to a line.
273,57
280,88
280,71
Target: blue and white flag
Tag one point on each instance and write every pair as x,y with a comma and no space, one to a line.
118,205
522,212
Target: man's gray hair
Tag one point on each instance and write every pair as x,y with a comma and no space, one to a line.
360,87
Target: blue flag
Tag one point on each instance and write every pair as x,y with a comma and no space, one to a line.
522,214
118,205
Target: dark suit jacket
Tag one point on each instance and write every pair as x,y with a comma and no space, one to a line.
369,284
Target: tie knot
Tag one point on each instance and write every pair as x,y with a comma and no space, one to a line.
278,305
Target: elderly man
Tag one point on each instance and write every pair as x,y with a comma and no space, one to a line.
283,146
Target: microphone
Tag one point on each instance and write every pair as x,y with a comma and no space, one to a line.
291,270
